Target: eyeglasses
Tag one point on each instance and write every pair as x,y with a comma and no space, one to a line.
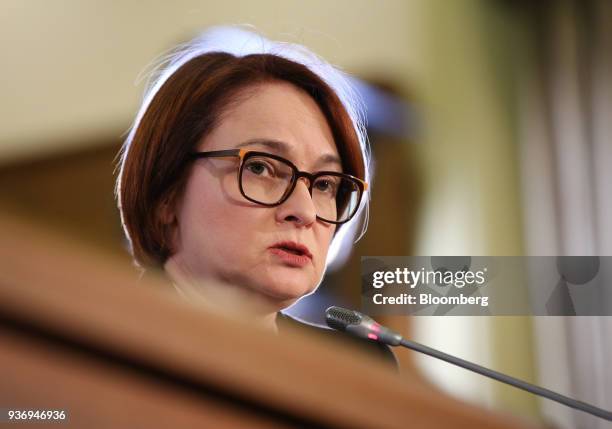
268,180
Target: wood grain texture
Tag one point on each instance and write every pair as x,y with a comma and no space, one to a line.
79,321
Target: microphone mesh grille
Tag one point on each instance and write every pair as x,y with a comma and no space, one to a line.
339,318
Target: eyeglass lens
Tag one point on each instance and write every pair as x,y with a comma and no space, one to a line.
267,180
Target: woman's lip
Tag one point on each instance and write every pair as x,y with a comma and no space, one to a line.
293,245
290,258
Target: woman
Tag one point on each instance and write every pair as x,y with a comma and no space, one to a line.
244,166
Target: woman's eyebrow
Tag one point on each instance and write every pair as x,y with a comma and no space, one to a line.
283,148
329,159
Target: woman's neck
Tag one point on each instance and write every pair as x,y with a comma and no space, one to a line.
222,297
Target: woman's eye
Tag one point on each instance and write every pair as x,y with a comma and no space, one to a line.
325,186
258,168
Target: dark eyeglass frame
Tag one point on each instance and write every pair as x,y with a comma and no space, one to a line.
244,154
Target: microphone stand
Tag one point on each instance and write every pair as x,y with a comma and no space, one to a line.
532,388
363,326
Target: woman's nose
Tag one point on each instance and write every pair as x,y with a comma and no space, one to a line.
299,207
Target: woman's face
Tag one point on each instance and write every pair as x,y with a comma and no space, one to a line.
223,235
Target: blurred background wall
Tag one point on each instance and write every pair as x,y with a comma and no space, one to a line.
498,100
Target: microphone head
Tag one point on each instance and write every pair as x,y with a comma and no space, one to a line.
360,325
339,318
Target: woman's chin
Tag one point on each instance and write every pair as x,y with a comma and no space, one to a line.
289,289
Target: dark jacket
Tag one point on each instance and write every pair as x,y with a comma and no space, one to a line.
372,348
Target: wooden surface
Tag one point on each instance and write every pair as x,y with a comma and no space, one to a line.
78,332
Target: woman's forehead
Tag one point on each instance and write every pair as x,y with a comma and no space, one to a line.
281,108
278,118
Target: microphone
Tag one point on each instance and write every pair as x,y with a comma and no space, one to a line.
363,326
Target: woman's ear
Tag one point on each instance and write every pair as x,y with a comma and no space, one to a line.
167,222
166,213
167,208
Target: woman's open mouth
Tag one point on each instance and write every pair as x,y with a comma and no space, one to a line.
292,253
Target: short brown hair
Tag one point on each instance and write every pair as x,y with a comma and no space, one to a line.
154,165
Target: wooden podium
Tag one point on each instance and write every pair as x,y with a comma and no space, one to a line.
79,333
